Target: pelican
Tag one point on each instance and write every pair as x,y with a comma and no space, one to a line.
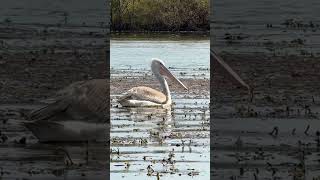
142,96
77,113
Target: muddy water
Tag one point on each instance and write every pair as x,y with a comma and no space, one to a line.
28,27
275,136
151,143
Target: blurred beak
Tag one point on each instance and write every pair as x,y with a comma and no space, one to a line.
165,72
228,69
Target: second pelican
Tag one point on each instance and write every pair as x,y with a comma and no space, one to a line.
142,96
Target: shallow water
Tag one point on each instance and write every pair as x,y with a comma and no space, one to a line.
151,142
143,137
186,58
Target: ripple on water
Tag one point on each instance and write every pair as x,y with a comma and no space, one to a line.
173,143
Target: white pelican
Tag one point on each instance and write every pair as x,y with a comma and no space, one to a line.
142,96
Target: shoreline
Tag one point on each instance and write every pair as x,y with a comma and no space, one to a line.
158,35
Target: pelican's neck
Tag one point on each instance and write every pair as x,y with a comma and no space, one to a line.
164,86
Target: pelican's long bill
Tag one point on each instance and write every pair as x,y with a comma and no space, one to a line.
228,69
165,72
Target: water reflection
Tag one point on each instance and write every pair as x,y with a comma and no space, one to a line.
162,120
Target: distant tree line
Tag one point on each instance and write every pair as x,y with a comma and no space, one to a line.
160,15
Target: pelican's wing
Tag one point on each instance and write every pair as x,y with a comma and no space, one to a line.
80,100
49,111
228,68
144,94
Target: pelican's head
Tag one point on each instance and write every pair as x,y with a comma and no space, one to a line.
159,69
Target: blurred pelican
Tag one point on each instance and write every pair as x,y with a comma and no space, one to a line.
77,113
142,96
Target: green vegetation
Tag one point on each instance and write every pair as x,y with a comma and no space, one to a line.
160,15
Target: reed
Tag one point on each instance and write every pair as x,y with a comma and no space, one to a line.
159,15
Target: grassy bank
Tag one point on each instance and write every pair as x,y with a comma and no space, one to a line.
160,15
